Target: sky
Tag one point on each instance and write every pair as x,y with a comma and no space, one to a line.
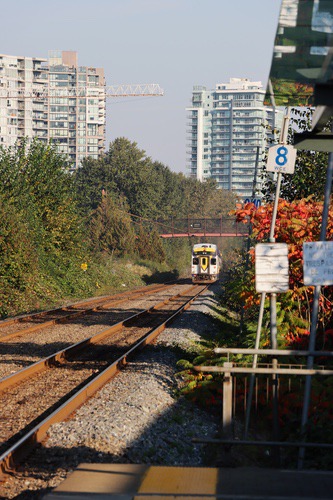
175,43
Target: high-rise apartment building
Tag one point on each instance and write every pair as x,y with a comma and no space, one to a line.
20,117
229,130
53,99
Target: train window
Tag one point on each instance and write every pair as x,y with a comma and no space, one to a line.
195,261
213,261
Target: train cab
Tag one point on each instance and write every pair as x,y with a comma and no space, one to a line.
206,263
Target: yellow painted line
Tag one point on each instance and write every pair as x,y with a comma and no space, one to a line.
179,481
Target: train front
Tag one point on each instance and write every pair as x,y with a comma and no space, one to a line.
205,263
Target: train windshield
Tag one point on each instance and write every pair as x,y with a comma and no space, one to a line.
204,251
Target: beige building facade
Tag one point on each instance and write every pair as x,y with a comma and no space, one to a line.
53,99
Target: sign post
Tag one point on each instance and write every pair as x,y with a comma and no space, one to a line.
278,156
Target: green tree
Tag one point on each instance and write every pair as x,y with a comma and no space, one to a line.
18,258
36,180
156,249
134,177
142,243
111,230
91,180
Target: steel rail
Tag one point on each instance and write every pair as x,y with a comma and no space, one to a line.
72,315
60,356
110,298
10,459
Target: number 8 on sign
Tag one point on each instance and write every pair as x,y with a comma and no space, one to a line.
281,158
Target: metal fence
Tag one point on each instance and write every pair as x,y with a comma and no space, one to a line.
273,382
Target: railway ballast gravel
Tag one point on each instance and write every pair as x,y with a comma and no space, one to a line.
136,418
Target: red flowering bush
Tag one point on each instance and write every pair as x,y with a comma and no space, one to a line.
296,223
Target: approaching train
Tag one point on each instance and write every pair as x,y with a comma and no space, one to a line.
206,263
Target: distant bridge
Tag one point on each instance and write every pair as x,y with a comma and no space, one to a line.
201,227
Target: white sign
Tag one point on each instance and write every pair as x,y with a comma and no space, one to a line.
272,267
281,158
318,263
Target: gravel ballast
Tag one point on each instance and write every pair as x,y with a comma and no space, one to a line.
136,418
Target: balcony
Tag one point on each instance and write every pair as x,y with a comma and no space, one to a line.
41,116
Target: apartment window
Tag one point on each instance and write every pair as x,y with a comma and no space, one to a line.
56,109
59,77
58,124
59,116
58,132
93,110
58,100
92,129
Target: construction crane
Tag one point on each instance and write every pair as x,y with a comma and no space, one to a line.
46,92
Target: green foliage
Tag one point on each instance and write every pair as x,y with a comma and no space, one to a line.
178,254
40,229
90,181
18,259
66,224
144,188
184,364
36,182
150,188
110,227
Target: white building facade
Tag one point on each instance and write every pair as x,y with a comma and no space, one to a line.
229,131
20,117
53,99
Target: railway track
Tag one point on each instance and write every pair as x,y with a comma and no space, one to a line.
50,389
23,343
30,323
